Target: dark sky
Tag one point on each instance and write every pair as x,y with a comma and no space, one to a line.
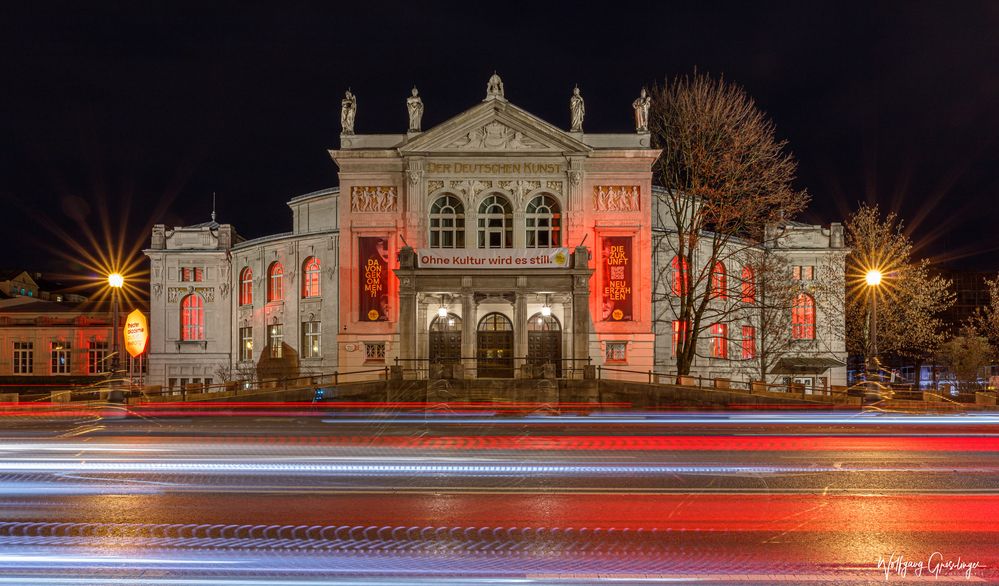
142,110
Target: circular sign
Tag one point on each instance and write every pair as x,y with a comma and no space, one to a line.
617,314
373,314
560,258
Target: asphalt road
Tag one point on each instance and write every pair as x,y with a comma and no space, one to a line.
295,496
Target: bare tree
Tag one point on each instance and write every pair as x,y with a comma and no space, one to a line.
726,177
910,297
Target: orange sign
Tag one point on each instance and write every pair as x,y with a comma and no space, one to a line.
136,333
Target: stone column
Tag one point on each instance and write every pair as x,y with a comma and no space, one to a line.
469,320
580,304
519,329
407,305
422,333
567,336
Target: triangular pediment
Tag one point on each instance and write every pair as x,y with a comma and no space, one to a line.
494,126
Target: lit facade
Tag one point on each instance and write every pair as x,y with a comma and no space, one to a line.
489,246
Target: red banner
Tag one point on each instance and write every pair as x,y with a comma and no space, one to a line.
616,257
373,281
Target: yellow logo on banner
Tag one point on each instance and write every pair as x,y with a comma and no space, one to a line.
373,314
136,333
617,314
560,258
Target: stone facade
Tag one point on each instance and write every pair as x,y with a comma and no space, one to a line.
491,245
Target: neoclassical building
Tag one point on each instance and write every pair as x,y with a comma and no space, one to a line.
493,245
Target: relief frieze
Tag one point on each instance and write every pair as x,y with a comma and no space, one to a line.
380,198
616,198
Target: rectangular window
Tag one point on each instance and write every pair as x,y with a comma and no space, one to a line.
24,357
246,343
192,274
97,356
803,273
275,340
374,351
616,352
748,342
171,384
719,341
311,343
61,354
681,329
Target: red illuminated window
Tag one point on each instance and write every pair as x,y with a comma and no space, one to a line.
719,281
192,274
192,318
681,329
681,276
310,277
246,286
719,341
275,282
803,317
748,342
748,285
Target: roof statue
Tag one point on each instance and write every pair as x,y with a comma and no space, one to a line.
348,110
641,106
494,88
577,109
414,105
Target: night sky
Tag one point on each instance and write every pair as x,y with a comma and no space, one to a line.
141,110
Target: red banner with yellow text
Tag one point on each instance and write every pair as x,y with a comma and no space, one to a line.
373,278
617,284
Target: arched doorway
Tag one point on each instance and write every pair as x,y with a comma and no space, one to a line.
495,347
445,339
544,341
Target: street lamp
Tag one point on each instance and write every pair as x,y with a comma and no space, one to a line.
873,280
116,281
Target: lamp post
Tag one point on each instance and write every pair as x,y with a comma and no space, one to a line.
116,282
873,280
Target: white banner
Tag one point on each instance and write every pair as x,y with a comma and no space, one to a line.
493,258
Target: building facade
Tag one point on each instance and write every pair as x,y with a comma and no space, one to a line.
493,245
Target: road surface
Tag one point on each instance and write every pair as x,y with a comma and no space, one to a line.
291,496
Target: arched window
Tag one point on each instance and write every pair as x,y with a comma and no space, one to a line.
544,222
246,286
447,223
495,223
681,276
275,282
803,317
310,277
192,317
719,340
719,281
748,285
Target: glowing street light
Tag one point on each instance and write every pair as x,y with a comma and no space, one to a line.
873,280
116,281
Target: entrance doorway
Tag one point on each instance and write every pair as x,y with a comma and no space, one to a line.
445,340
544,342
806,383
495,347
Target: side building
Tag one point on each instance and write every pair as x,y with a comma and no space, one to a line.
223,308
